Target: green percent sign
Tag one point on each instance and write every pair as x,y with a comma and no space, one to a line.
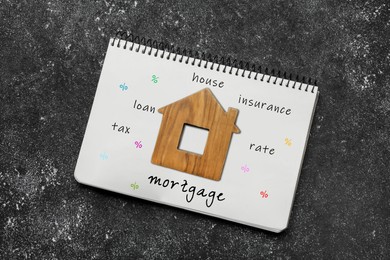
134,186
154,79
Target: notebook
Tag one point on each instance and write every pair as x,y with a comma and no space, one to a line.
197,132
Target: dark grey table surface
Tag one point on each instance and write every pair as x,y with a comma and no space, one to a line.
51,54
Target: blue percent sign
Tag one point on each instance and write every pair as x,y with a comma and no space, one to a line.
123,87
103,156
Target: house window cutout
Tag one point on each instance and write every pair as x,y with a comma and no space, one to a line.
202,110
193,139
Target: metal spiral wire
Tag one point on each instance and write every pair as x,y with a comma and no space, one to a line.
224,64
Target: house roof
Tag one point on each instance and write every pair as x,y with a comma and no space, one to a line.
202,98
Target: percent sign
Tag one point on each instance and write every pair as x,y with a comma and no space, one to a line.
264,194
245,168
104,156
138,144
123,87
154,79
134,185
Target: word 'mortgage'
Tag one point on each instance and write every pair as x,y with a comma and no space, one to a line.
191,191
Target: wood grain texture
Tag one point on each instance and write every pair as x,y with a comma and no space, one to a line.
200,109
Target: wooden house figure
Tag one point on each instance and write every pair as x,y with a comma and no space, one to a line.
203,110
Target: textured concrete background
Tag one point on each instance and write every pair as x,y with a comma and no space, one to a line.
51,53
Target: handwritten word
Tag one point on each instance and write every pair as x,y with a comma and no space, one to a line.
145,108
207,81
263,105
121,128
190,192
265,149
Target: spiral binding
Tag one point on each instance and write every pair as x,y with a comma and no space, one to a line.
187,54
